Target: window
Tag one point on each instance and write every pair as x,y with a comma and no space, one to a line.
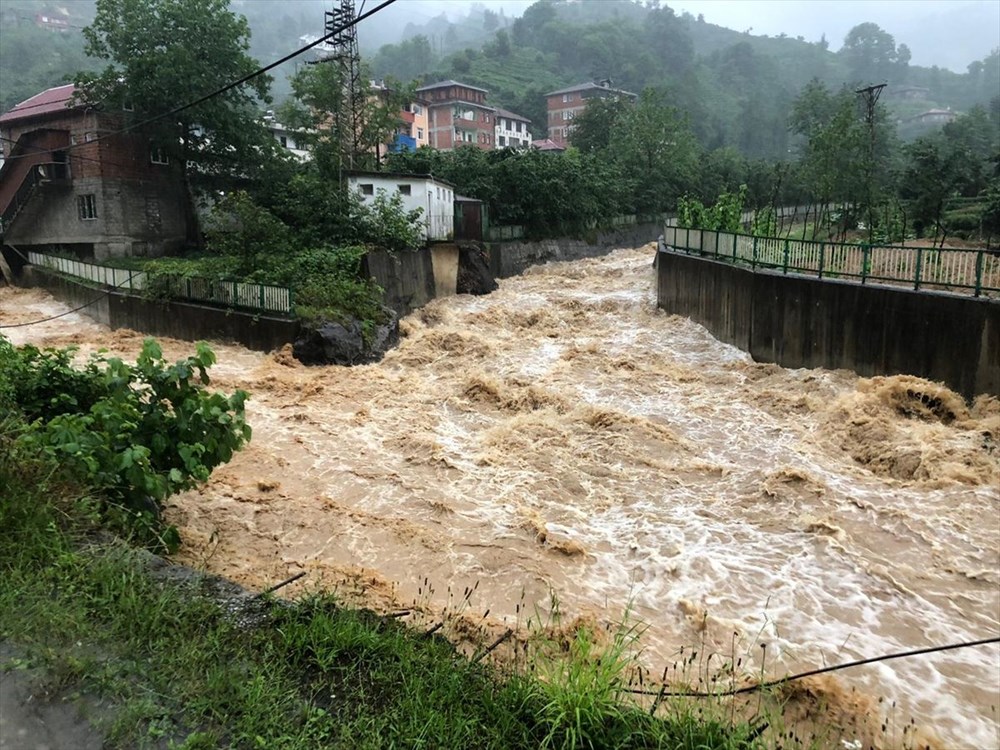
439,192
367,189
157,155
567,115
416,109
565,97
420,133
519,127
283,140
403,189
501,141
91,137
486,117
86,205
128,106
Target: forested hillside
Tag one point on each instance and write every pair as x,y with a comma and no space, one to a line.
736,88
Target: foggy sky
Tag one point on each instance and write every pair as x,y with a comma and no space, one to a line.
947,33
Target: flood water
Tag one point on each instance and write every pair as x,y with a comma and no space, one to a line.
564,436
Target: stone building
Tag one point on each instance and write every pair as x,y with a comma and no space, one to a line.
72,182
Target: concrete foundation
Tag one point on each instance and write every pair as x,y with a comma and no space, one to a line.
796,321
173,319
511,258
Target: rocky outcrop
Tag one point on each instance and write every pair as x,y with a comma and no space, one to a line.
335,343
474,275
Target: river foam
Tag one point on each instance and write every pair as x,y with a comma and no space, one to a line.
562,434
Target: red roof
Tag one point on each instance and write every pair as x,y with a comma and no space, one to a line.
50,100
547,144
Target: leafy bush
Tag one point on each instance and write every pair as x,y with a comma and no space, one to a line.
135,434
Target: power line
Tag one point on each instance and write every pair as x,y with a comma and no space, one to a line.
812,672
96,299
239,82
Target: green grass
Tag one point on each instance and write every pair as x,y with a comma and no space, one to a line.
179,667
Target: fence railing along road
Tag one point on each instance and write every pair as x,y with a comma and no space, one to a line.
975,272
235,294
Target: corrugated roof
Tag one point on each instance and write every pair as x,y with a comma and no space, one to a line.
511,115
443,84
50,100
547,144
588,87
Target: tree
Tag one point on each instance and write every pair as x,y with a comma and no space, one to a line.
655,146
593,129
324,111
871,54
163,53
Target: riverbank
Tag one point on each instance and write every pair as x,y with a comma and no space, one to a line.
106,645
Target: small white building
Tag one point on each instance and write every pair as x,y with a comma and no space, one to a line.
511,130
436,198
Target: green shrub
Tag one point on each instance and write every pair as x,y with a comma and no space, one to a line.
135,434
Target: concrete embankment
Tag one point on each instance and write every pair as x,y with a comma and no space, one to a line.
797,321
161,318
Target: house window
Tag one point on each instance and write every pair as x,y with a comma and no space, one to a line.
565,97
486,117
367,188
128,106
86,205
416,109
501,141
91,137
566,114
283,140
519,126
420,133
439,193
403,189
157,155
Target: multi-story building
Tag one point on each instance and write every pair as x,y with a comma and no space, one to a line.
511,130
565,104
71,181
458,115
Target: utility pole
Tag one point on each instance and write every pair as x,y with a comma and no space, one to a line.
342,51
869,96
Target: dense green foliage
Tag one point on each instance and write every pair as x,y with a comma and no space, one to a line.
163,53
133,434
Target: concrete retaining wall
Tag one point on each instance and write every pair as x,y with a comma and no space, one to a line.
407,277
174,319
797,321
511,258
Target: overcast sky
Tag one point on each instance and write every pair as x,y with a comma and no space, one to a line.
948,33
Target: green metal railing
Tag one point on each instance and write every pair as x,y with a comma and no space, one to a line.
975,272
235,294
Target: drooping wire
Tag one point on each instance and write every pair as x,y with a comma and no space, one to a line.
810,673
239,82
96,299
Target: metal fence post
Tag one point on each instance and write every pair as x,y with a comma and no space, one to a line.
979,273
916,276
753,257
822,258
865,250
784,267
735,237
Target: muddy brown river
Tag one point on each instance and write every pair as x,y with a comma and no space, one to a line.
563,437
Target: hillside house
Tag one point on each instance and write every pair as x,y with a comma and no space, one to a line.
436,198
71,182
565,104
934,117
512,130
288,138
458,115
